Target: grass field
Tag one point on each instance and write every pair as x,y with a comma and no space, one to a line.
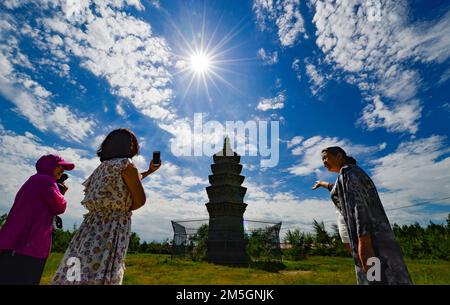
153,269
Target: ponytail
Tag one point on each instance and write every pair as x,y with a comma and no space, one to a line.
350,160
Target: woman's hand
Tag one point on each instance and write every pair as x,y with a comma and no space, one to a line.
320,183
64,188
151,169
365,250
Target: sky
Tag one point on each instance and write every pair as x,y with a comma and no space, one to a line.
370,76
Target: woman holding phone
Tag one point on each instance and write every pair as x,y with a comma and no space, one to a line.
112,192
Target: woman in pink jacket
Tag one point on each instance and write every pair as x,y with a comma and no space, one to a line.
26,237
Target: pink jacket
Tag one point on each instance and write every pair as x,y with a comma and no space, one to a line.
28,228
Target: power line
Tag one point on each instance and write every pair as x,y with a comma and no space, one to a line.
419,203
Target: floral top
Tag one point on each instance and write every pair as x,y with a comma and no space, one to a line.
105,190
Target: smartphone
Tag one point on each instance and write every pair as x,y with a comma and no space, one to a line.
156,158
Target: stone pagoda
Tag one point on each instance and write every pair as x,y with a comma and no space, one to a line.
226,207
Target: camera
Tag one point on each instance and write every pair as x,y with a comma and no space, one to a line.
60,182
57,221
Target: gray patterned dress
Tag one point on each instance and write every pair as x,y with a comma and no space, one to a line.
356,197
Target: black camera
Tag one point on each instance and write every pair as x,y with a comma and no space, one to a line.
57,221
60,182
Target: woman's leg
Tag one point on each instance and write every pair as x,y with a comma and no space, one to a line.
20,269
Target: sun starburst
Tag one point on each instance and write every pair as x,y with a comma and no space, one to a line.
204,58
200,62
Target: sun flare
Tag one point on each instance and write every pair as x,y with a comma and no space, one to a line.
203,60
200,62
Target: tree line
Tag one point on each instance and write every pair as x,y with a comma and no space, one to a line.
432,241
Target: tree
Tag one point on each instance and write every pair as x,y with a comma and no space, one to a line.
200,244
134,244
323,244
61,240
261,245
300,244
448,222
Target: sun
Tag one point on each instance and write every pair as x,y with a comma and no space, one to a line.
202,59
200,62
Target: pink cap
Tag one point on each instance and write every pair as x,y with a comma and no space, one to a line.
46,164
66,165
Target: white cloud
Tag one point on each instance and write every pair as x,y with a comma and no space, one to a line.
429,41
286,16
294,141
267,57
398,118
316,79
30,98
415,171
276,102
120,111
445,76
123,50
112,45
373,41
296,67
446,107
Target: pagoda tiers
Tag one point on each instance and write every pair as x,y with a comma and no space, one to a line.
226,207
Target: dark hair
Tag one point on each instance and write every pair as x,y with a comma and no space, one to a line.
119,143
335,150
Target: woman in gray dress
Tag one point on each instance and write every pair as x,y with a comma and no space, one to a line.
371,238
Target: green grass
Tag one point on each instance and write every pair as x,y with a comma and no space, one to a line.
154,269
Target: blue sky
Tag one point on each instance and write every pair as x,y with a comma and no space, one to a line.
371,76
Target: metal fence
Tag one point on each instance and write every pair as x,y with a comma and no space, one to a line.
263,237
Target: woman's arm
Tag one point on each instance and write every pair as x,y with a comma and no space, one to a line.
54,199
357,200
323,184
132,179
365,250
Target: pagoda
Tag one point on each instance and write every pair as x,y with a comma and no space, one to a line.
226,207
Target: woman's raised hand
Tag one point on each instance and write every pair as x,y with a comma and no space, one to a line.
320,183
152,167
